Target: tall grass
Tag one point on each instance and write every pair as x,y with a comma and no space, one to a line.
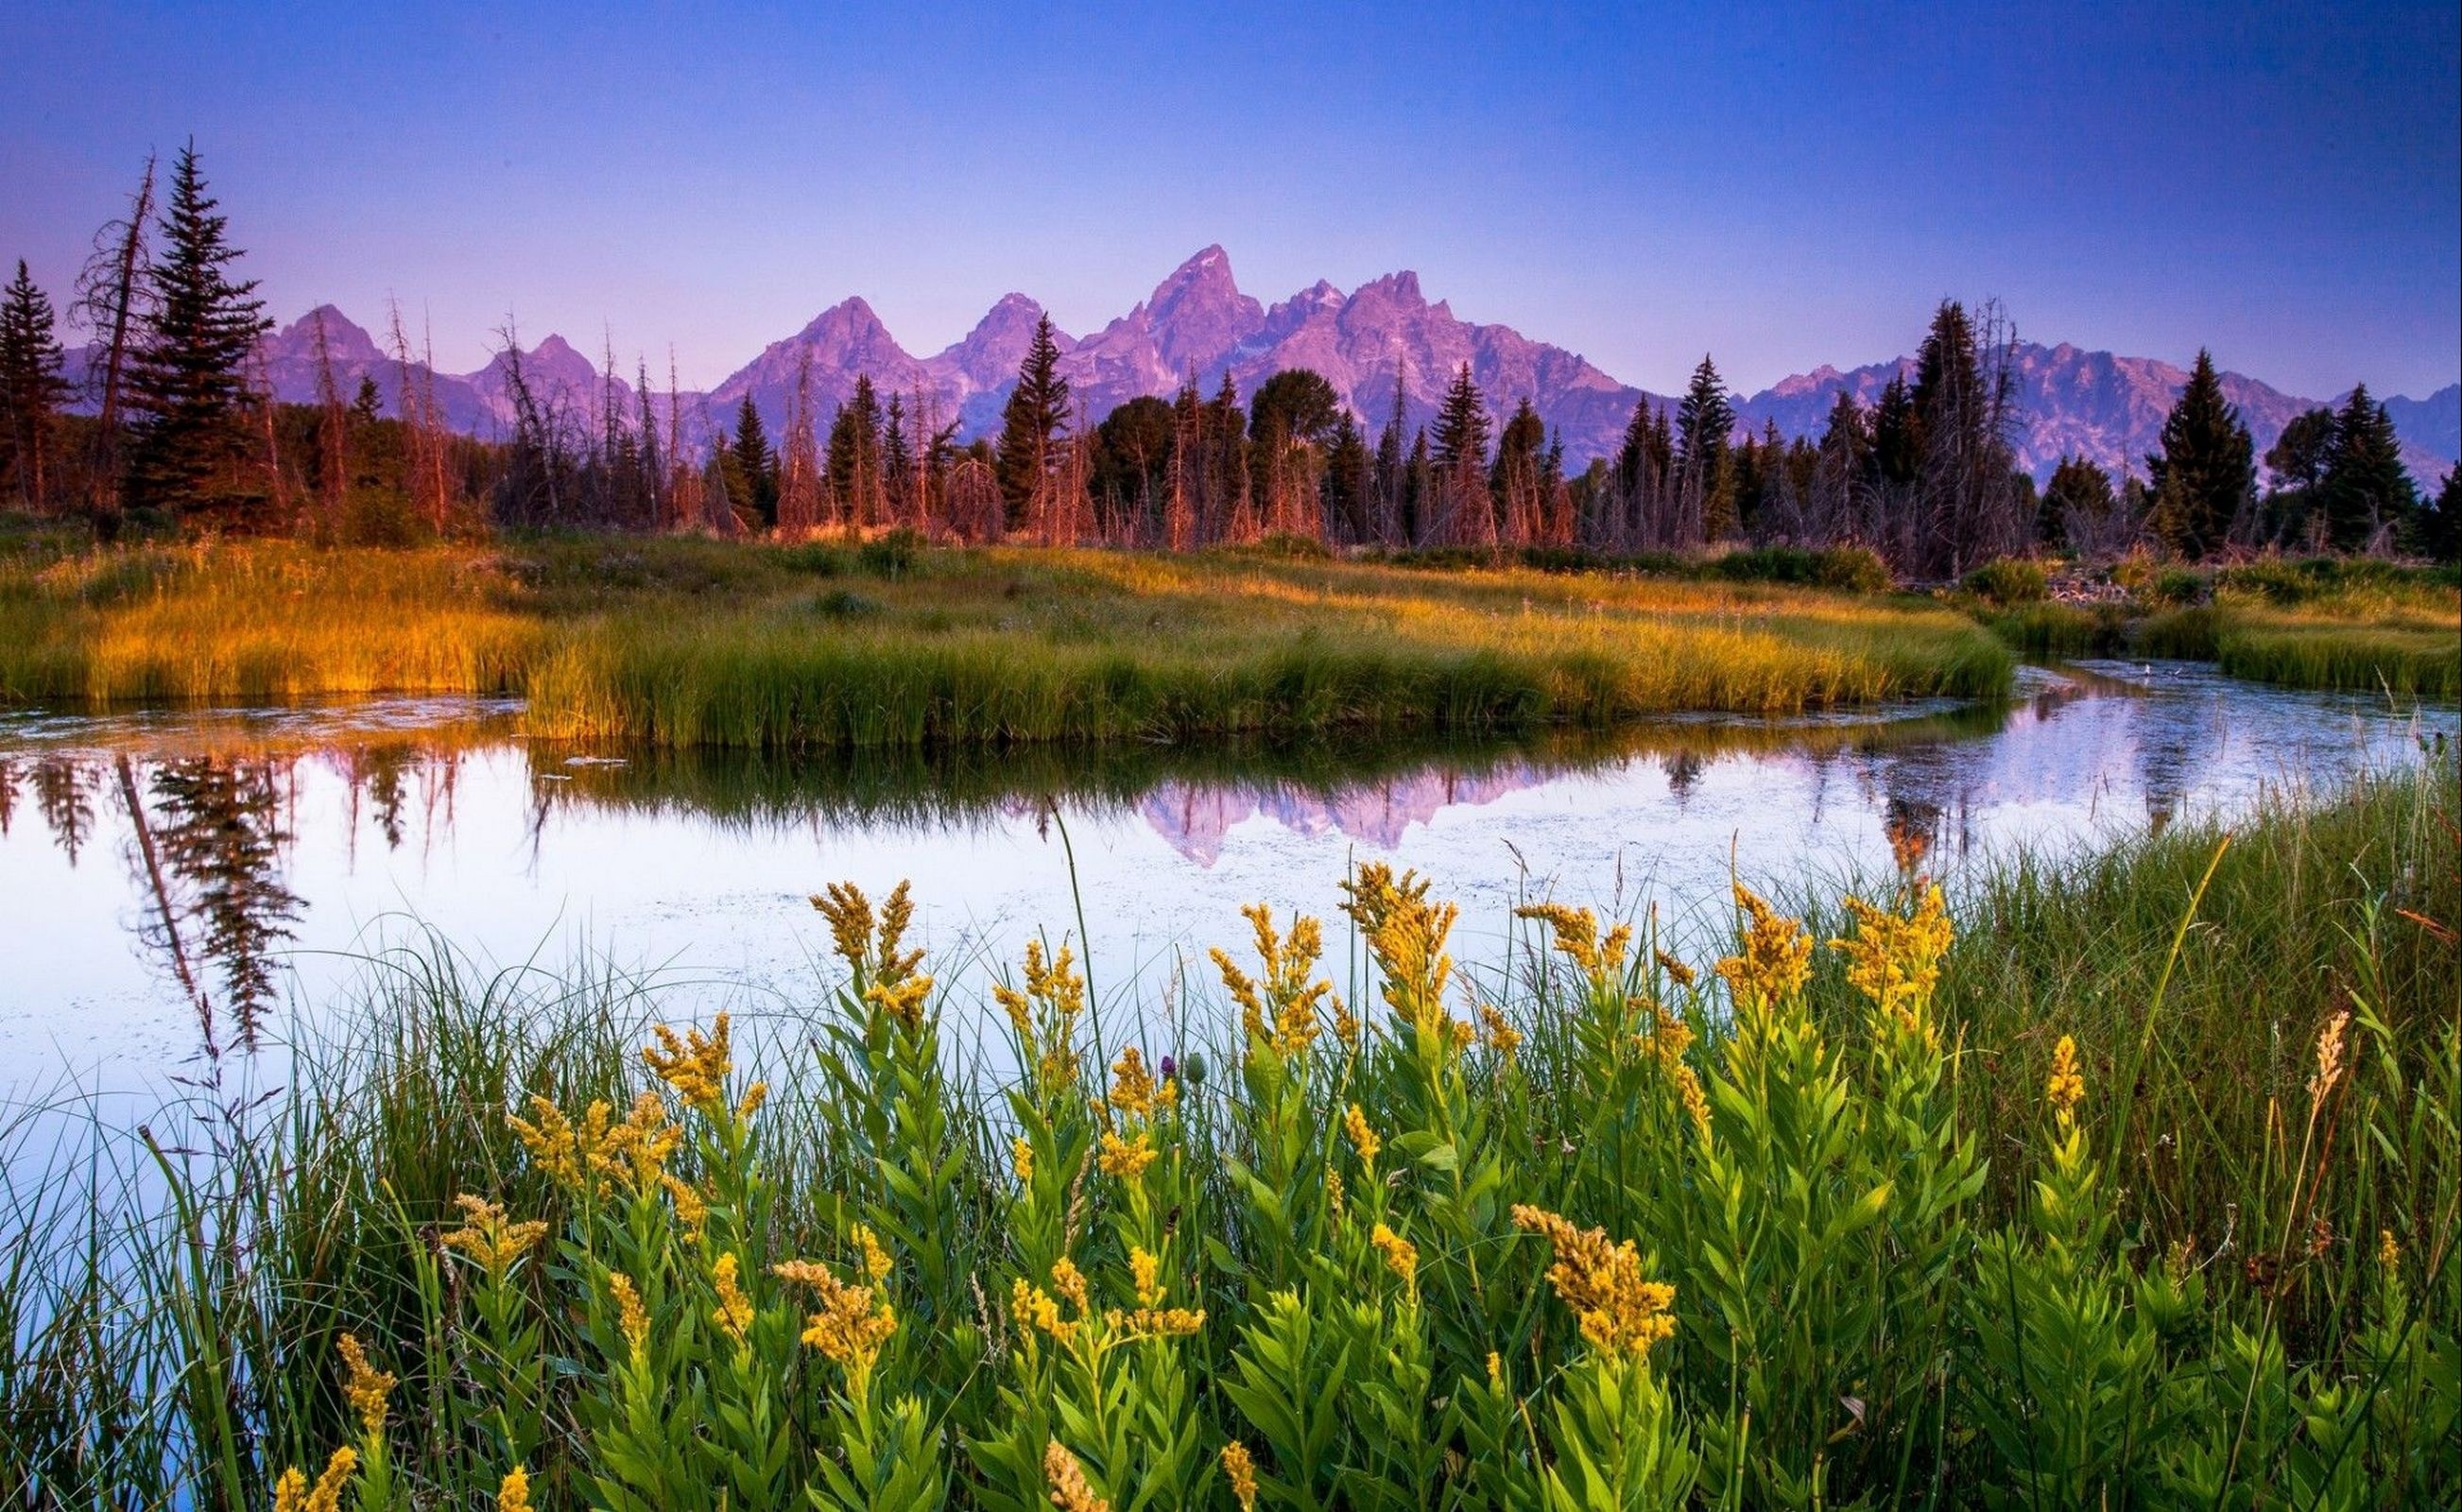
683,643
2134,1182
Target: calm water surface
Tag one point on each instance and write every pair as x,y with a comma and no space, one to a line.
170,879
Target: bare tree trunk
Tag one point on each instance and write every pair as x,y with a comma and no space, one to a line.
332,436
107,301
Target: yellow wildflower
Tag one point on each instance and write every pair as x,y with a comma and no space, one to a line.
850,916
692,1209
514,1495
1132,1085
1334,1188
2388,1252
1460,1033
1494,1369
1400,1256
1621,1311
1363,1138
292,1493
853,1323
754,1096
875,1260
629,1312
364,1387
1071,1282
2066,1088
1345,1024
1146,1273
1240,1468
487,1239
1034,1308
1895,960
694,1064
1021,1157
1166,1323
1676,971
1501,1036
1777,957
1406,935
734,1313
903,1001
890,964
1575,933
638,1148
567,1152
1125,1158
1070,1492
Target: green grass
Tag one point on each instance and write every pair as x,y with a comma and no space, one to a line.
818,646
1896,1274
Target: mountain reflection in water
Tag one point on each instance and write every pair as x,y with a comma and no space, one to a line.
161,873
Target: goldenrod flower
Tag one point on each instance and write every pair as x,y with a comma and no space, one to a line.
850,1326
1240,1468
1071,1282
1895,960
1132,1085
1145,1273
1166,1323
567,1152
1777,957
1501,1035
2388,1252
1363,1138
1033,1307
1067,1478
1333,1193
364,1387
1575,933
487,1239
734,1313
1621,1311
1281,1012
292,1493
1125,1158
1406,935
875,1260
2066,1088
692,1209
850,916
694,1064
1494,1369
754,1096
1021,1156
514,1495
1401,1257
637,1149
1676,971
901,1000
629,1312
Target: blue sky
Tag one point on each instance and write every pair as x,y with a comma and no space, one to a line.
1779,185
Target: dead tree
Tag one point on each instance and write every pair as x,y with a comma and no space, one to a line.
106,304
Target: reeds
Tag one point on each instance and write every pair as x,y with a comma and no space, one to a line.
2132,1181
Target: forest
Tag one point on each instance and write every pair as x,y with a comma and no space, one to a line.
175,432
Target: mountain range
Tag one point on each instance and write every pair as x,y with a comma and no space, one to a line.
1199,323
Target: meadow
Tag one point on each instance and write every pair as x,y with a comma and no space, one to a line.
679,643
2133,1180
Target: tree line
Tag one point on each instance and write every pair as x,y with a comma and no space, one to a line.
184,429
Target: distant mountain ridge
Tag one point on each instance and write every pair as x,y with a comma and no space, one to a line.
1197,323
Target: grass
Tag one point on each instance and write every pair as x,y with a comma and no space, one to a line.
2326,623
705,643
2136,1180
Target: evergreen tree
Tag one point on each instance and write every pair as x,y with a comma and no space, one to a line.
1392,477
1705,419
1897,453
1032,423
2365,486
2436,528
2204,477
855,460
1515,479
186,383
1947,369
31,390
1467,514
1350,481
752,485
2077,505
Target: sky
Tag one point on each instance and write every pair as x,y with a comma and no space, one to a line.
1779,185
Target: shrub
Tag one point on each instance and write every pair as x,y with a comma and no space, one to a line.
2008,581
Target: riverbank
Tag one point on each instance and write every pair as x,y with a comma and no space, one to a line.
2321,623
680,642
2137,1178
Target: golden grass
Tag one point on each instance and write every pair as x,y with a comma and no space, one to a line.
697,642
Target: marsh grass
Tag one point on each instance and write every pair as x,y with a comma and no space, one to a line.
706,644
2136,1183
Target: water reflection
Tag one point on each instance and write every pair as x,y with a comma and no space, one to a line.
167,869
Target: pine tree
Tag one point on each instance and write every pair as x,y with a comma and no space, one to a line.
2297,464
1515,481
1032,423
752,485
2077,505
186,381
2436,528
2366,486
31,390
1468,512
2205,476
1350,481
1392,461
1703,421
855,467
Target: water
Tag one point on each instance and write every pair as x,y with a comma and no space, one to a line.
170,881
